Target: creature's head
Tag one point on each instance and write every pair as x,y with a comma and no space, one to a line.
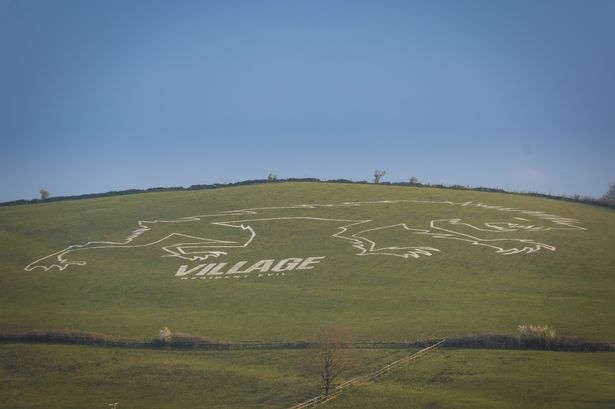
517,224
534,221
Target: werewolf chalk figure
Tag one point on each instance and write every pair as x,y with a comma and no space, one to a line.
509,235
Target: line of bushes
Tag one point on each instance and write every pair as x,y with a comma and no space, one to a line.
508,341
176,340
180,340
575,198
64,336
540,337
150,190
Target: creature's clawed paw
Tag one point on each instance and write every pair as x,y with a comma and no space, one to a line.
200,256
60,265
529,247
406,252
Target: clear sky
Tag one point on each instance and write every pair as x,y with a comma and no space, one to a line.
110,95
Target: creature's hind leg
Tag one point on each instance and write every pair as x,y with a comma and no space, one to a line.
57,260
67,257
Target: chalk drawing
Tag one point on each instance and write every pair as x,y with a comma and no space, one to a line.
357,232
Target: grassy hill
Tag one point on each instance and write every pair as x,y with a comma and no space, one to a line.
462,288
390,263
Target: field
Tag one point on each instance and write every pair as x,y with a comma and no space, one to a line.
43,376
391,263
74,377
494,379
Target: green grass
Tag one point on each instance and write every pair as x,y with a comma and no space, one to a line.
460,290
67,377
54,376
492,379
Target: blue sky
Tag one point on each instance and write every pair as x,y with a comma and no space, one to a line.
111,95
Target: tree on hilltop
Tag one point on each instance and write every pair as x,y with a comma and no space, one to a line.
378,174
610,195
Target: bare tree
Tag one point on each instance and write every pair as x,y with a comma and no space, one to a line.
329,354
44,194
378,174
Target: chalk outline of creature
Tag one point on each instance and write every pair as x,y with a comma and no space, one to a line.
201,248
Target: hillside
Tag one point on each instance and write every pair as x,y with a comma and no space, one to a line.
392,263
276,262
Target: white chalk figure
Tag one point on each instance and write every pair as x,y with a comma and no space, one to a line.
404,240
510,232
188,247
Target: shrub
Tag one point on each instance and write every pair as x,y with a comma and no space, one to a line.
181,340
487,340
165,335
537,336
579,344
64,336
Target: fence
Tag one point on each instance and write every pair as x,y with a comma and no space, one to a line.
371,376
185,341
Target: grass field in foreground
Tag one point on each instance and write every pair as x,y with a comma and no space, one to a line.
461,289
78,377
67,377
470,379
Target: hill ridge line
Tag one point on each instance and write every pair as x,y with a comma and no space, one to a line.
114,193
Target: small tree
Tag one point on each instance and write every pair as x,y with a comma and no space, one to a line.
44,194
378,174
413,180
609,196
272,178
329,354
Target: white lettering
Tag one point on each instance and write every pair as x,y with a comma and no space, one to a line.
183,270
275,268
206,269
306,265
262,266
288,264
236,268
216,270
